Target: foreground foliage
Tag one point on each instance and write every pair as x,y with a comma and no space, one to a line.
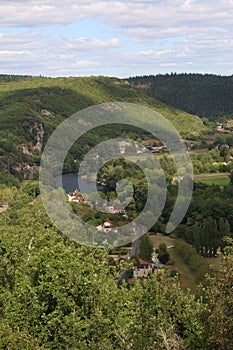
219,298
56,294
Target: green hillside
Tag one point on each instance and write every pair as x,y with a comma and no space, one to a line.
32,107
205,95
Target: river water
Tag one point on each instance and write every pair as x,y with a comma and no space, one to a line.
70,182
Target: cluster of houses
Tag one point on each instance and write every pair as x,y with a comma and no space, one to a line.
110,209
77,197
131,147
157,149
225,129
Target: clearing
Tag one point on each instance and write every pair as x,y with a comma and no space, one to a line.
187,278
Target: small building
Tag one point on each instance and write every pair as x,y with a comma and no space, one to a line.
220,127
107,226
110,209
143,268
114,209
46,113
76,196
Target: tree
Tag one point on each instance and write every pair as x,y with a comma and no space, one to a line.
164,317
31,189
14,339
231,178
163,254
225,152
223,231
219,297
145,248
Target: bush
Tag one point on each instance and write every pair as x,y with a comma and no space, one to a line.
8,180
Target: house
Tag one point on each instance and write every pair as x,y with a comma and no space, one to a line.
220,127
46,113
143,268
158,148
113,209
110,209
177,179
76,196
107,226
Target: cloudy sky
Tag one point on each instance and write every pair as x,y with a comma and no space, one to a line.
116,38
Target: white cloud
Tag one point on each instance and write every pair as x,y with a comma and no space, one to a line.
85,43
145,56
130,14
146,34
32,53
21,62
27,41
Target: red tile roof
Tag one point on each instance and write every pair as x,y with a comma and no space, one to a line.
143,262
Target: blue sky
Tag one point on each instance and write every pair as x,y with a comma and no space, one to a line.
116,38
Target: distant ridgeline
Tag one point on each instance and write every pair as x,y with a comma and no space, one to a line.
205,95
13,77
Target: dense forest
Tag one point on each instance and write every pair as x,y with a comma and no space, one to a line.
205,95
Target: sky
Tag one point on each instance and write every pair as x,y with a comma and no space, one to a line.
116,38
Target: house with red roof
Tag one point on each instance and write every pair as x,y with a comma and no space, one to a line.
143,268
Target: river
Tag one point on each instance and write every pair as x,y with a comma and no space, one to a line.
70,183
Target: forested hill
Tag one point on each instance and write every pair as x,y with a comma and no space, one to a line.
203,95
32,107
13,77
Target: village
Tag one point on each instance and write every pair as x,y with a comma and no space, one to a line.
142,268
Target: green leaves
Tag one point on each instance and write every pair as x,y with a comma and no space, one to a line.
56,294
145,248
218,293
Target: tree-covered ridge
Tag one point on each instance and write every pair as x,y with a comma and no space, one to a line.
205,95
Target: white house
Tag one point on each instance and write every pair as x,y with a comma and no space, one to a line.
107,226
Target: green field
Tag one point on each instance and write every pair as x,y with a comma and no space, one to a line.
213,179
